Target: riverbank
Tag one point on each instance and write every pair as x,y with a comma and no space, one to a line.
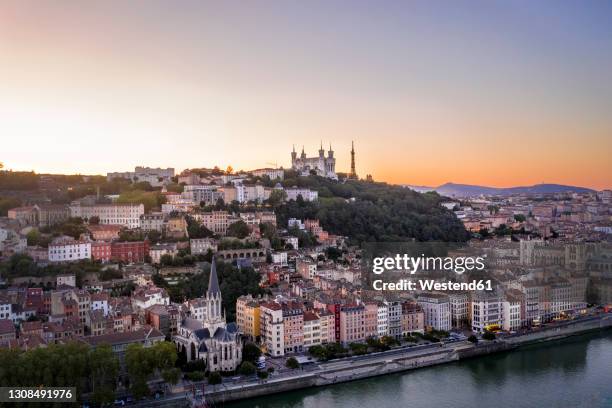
398,360
569,372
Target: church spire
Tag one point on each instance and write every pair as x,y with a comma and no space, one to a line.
213,280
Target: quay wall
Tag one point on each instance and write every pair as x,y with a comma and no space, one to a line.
343,371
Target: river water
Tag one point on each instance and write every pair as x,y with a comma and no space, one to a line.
574,372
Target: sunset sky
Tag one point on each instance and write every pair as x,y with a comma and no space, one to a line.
496,93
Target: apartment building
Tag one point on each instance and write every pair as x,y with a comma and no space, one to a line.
306,268
312,330
513,315
248,317
202,245
293,319
459,305
67,249
394,319
486,311
272,328
130,252
127,215
152,222
352,328
413,318
216,221
371,319
328,330
436,311
382,322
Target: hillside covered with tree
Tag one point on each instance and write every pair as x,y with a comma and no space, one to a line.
373,212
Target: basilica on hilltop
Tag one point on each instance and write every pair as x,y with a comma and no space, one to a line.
321,165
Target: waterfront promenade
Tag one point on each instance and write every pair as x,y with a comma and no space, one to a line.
376,364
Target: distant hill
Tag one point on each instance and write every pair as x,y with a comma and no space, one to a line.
466,190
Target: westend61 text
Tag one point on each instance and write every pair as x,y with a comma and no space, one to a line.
432,285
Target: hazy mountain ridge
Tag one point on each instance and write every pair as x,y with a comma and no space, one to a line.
465,190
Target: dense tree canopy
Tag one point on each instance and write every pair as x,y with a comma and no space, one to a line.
18,180
68,365
373,212
233,282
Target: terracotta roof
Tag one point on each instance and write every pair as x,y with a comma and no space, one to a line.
6,326
124,338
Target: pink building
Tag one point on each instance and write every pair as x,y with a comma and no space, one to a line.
352,327
371,319
293,319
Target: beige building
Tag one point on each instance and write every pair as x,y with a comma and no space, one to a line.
248,317
127,215
312,330
216,221
413,318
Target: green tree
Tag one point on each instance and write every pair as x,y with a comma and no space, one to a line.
277,197
104,367
171,375
164,355
247,368
319,352
214,378
250,352
292,363
519,218
473,339
6,203
140,366
487,335
238,229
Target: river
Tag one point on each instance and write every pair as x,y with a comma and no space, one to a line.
574,372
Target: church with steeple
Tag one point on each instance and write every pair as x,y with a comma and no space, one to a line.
321,166
206,335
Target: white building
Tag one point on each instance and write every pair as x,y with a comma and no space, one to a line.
179,205
307,194
202,245
295,223
152,222
382,321
512,319
459,304
293,241
197,194
145,298
99,301
66,280
486,311
279,258
127,215
154,176
158,250
394,318
272,173
272,328
66,249
436,311
246,193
